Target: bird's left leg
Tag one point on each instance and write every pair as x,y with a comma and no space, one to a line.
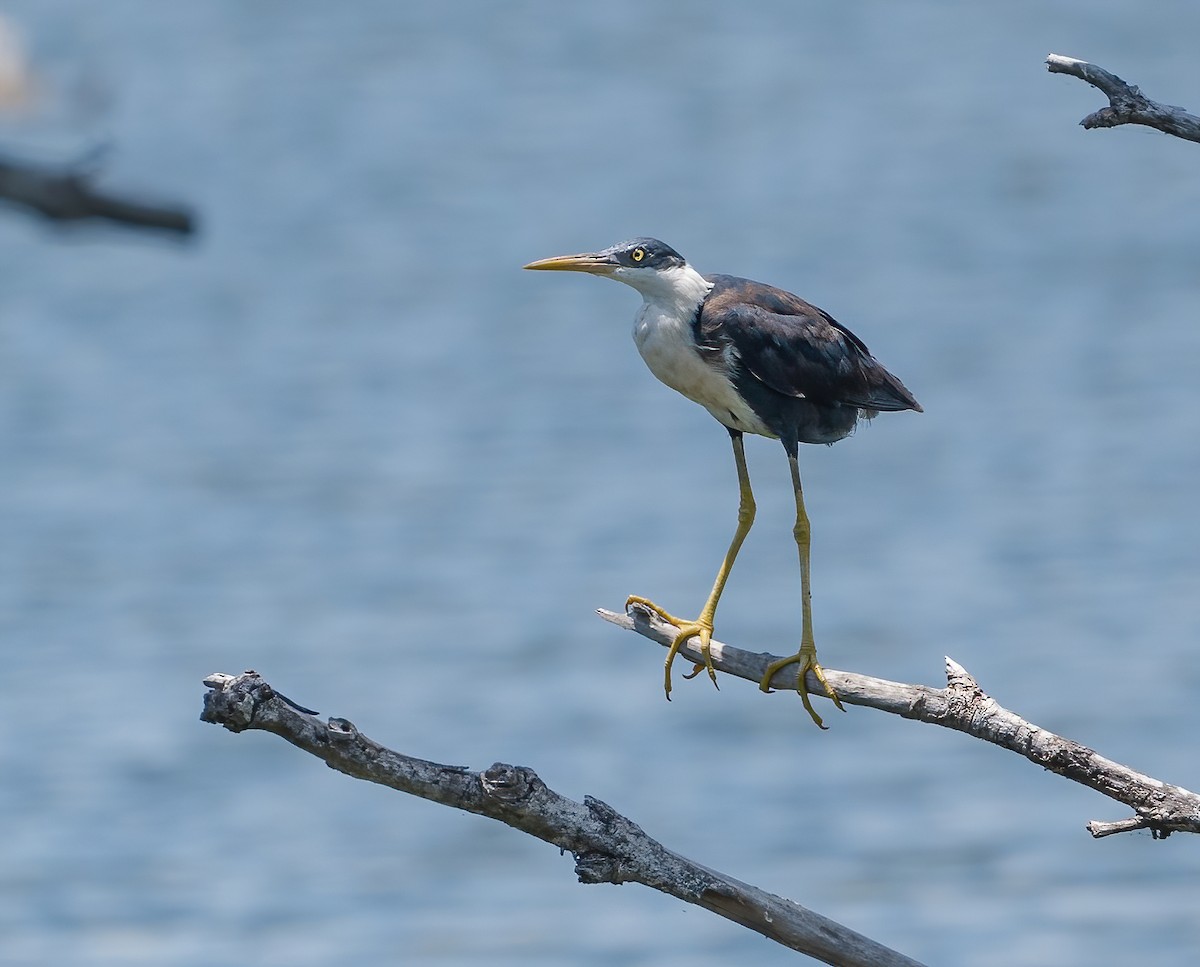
702,627
806,657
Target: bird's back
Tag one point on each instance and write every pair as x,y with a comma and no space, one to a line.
807,376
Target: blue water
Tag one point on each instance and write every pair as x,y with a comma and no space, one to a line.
342,439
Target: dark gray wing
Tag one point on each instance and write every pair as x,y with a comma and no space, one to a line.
795,348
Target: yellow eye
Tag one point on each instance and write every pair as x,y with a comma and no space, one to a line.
638,254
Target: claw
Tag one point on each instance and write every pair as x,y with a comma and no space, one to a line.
686,630
806,658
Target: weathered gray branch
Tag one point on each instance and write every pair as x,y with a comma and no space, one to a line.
68,196
1126,104
608,848
962,705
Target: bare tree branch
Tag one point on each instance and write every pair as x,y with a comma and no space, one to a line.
608,847
963,706
68,196
1126,104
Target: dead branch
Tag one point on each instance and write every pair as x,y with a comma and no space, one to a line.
1126,104
68,196
963,706
608,847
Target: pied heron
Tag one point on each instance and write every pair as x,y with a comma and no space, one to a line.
760,360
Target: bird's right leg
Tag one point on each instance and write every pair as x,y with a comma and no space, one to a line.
806,658
702,627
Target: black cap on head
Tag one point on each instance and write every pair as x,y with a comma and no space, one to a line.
645,253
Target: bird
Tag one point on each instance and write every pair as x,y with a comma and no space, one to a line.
762,361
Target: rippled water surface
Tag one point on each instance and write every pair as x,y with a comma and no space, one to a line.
342,439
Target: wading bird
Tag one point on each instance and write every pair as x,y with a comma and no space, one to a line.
760,360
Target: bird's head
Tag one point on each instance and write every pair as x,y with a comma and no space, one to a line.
650,266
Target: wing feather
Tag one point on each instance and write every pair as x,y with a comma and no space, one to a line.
794,347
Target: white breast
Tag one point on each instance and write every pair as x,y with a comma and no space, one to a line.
664,338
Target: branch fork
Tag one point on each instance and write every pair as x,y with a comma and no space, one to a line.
1126,103
964,706
608,847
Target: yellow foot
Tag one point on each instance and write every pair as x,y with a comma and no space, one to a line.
806,658
700,628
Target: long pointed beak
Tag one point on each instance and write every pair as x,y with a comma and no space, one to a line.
594,263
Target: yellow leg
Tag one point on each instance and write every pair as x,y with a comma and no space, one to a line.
702,627
806,657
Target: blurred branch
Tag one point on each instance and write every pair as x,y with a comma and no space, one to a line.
1126,104
608,847
68,196
963,706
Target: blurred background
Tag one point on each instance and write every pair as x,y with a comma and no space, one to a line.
341,438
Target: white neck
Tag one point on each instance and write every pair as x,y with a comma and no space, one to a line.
663,331
676,291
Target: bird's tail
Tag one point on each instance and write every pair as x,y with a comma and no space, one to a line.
884,392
